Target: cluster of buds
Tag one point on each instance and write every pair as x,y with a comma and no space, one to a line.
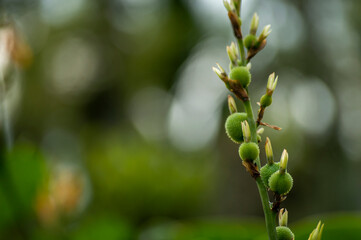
253,43
243,129
274,175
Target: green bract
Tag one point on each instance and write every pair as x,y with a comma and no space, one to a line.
248,151
266,100
234,127
267,171
280,183
242,75
284,233
250,41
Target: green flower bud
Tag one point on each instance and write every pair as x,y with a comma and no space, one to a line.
280,183
266,100
284,233
248,151
234,126
267,171
250,41
259,138
317,232
242,75
283,217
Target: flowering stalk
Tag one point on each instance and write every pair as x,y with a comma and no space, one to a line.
242,128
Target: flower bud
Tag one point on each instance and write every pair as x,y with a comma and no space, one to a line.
284,233
264,34
248,151
269,151
250,41
232,53
283,217
317,232
220,72
232,105
242,75
246,131
254,24
280,183
260,131
234,126
227,5
272,83
266,100
284,161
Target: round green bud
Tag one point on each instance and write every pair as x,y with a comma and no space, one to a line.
248,151
250,41
242,75
267,171
234,126
284,233
266,100
280,183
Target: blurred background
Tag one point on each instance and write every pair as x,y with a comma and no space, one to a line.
118,121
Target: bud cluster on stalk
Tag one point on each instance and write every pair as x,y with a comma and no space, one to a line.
242,129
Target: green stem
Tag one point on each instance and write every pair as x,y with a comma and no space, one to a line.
242,52
270,216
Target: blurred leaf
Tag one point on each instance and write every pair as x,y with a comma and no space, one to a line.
104,227
142,181
206,230
6,209
26,170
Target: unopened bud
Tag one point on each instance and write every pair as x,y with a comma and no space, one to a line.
220,72
246,131
283,217
264,34
226,5
254,24
232,53
269,151
232,105
317,232
260,131
272,83
284,161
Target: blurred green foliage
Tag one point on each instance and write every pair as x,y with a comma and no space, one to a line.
116,182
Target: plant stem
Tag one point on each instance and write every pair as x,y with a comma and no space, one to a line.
270,216
242,52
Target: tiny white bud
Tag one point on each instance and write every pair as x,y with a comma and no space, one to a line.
284,161
232,104
226,5
246,131
232,53
217,71
283,217
260,131
269,151
265,32
254,24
